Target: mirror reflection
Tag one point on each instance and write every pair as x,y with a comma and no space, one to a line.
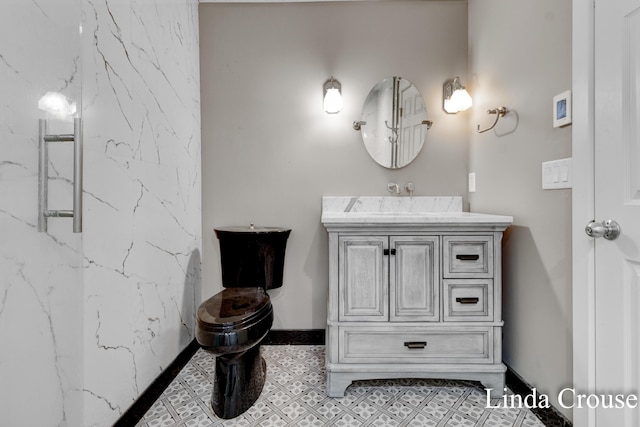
394,122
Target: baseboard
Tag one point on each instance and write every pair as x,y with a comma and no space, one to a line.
550,417
295,337
153,392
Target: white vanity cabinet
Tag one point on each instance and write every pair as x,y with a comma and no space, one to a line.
413,295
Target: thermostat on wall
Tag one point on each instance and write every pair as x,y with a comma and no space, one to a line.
562,109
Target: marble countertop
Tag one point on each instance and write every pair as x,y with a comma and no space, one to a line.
403,210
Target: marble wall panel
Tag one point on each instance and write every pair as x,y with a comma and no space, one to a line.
41,275
141,90
88,320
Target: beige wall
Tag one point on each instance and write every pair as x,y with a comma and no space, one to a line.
522,62
270,153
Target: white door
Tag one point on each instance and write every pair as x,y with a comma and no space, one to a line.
617,197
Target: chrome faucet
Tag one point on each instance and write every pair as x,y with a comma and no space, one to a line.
410,188
393,188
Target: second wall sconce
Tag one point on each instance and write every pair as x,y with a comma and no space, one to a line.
455,97
332,94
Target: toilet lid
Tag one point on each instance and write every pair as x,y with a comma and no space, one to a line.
233,306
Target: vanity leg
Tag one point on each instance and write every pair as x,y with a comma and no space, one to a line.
337,384
496,384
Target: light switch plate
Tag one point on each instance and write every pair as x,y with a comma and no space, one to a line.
556,174
472,182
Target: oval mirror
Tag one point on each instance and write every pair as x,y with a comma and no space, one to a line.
394,122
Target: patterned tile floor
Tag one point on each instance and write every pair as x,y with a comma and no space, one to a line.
294,395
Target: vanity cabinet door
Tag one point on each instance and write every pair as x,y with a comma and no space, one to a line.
414,278
363,277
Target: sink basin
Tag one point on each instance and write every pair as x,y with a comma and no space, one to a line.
402,210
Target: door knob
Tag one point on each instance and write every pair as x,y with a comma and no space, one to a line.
608,229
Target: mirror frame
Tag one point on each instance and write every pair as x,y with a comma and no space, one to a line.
394,122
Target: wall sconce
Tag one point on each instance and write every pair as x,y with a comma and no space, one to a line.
332,91
455,97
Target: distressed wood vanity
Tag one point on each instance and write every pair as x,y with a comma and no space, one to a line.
414,291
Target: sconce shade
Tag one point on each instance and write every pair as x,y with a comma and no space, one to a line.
332,96
455,97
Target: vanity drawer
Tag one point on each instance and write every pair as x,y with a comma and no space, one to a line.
468,300
468,256
416,345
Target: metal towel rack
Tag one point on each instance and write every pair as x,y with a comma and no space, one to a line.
499,112
43,176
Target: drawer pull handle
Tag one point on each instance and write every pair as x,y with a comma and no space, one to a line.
468,300
468,257
415,344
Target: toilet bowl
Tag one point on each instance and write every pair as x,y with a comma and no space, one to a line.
232,324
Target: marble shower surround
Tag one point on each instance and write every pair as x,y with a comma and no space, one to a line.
91,319
141,109
40,273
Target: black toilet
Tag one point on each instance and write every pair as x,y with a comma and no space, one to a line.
232,323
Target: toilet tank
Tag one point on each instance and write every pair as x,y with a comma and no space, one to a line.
252,256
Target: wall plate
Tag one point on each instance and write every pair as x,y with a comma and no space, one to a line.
556,174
